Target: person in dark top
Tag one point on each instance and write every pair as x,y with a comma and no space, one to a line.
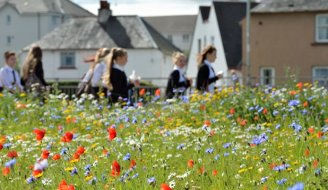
33,63
206,76
115,78
177,83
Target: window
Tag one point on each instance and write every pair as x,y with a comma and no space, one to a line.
8,19
54,20
212,40
67,59
320,74
169,37
8,40
185,37
267,76
205,44
199,45
322,28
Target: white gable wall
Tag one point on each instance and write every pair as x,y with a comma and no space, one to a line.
207,30
23,29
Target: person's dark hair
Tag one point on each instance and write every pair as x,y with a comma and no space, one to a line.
202,56
34,55
114,53
8,54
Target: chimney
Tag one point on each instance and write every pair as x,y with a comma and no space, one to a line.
104,12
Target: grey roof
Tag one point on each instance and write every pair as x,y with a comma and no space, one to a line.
129,32
205,11
276,6
172,24
76,33
228,16
46,6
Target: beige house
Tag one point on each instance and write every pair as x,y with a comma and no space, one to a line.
288,33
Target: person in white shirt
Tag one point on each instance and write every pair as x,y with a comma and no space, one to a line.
9,77
97,71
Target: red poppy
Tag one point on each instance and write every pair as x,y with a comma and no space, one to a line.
116,168
190,163
202,169
105,151
207,123
158,92
256,118
320,134
243,122
76,155
3,139
202,107
307,152
39,134
112,133
273,165
311,130
265,111
67,137
212,132
315,163
1,146
305,104
138,130
56,157
165,187
80,150
63,186
133,163
142,92
6,171
71,121
292,93
214,172
36,172
45,154
12,154
232,110
300,85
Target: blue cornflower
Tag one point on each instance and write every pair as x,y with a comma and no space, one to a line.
226,154
282,181
103,177
180,146
127,157
93,180
217,157
297,186
134,121
275,113
136,175
227,145
151,180
263,179
87,173
209,150
119,140
87,167
293,103
318,171
10,162
30,179
63,151
7,145
74,171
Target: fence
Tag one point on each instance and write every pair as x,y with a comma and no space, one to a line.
277,81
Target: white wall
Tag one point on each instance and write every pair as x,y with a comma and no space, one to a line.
148,64
23,29
207,30
177,40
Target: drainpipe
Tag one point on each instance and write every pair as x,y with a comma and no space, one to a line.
39,29
248,46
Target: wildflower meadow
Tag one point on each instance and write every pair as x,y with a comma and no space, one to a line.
237,138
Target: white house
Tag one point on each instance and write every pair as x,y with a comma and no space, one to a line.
65,48
177,29
23,22
218,25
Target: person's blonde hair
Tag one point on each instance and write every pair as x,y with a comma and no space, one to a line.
114,53
34,55
202,56
8,54
100,56
176,56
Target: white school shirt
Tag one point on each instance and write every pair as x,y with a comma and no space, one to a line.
181,77
211,75
98,73
7,78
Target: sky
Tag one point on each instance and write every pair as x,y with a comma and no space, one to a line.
147,7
